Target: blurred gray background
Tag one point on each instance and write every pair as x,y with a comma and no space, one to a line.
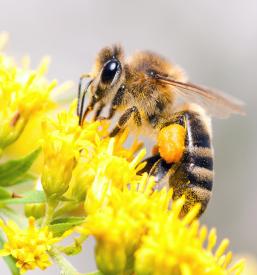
214,41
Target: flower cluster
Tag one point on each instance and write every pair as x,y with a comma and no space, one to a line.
23,92
28,246
77,158
90,184
142,231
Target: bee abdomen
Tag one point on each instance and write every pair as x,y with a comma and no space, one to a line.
194,176
198,165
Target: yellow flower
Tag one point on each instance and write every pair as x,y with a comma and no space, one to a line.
63,143
135,231
28,246
250,263
180,246
23,93
109,172
60,145
25,98
103,163
119,226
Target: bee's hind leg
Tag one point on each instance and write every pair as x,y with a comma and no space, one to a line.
158,168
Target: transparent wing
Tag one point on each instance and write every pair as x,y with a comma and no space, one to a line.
215,103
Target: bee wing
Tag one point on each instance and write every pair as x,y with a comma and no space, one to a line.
215,103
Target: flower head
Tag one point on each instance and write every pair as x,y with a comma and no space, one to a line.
23,93
63,143
175,245
119,226
110,172
103,163
60,145
137,231
28,246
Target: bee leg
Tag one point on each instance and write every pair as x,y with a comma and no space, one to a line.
125,118
158,168
98,111
117,100
81,100
82,77
177,118
83,114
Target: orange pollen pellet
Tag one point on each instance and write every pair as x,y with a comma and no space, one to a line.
171,142
155,150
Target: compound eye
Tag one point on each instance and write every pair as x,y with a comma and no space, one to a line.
109,71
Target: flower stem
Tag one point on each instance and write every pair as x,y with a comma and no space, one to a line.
51,205
65,266
10,261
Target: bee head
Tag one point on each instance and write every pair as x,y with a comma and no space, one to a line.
108,72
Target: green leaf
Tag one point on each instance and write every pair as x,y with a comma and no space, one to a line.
26,178
12,214
59,226
10,261
11,172
4,194
28,197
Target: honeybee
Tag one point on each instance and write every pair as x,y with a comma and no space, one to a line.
153,96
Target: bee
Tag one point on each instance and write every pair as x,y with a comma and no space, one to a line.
154,97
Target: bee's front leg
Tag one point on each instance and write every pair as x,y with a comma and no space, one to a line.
116,102
82,112
125,118
98,111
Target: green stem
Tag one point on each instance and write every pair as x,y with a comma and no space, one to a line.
65,266
66,208
50,208
10,261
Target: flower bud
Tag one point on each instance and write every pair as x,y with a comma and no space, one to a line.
110,260
36,210
57,173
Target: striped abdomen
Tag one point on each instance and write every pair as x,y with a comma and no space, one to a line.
194,175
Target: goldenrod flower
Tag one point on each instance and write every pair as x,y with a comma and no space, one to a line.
28,246
136,231
103,163
23,92
63,143
110,172
119,226
180,246
25,98
250,263
61,148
